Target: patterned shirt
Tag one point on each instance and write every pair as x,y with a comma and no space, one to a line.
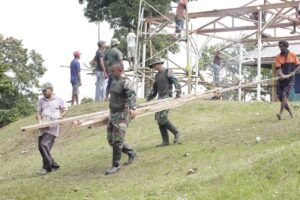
122,94
51,109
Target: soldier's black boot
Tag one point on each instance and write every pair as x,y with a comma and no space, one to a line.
131,154
174,130
164,134
117,153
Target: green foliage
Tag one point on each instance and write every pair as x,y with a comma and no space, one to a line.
121,13
86,100
19,73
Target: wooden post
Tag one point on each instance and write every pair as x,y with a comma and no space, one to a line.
273,97
259,55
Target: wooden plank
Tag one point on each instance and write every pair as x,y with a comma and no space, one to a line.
100,118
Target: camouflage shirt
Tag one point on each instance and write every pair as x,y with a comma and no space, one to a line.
122,94
163,85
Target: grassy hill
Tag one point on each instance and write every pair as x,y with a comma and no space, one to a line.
219,138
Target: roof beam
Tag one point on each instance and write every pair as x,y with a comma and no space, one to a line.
231,11
243,28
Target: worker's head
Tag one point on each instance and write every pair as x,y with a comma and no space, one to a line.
131,30
76,54
101,44
156,64
114,42
117,69
283,46
47,90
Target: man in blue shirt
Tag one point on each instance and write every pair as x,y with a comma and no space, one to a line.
75,76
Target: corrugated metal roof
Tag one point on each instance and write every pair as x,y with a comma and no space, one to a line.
271,52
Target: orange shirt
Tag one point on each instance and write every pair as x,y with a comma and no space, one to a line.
281,60
287,64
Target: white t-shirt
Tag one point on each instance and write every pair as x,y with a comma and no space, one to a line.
131,39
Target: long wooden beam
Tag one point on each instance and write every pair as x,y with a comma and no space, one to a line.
100,119
230,11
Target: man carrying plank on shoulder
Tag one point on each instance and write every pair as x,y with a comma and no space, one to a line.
122,110
49,107
163,85
286,64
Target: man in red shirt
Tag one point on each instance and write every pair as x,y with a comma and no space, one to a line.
286,64
180,16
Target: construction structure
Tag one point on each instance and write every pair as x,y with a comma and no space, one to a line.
262,22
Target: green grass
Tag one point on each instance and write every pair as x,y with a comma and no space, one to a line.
219,136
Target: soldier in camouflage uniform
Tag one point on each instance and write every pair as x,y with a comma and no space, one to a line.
122,106
163,85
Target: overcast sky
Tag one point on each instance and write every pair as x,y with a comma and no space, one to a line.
56,28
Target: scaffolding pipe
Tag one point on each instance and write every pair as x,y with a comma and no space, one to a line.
144,59
240,71
188,49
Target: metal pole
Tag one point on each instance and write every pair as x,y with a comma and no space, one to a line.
98,31
138,33
144,59
259,55
188,49
240,70
197,66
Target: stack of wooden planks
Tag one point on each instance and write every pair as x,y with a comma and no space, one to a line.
100,118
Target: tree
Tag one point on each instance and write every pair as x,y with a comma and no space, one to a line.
121,13
20,70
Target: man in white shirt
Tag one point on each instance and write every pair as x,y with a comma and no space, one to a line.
131,48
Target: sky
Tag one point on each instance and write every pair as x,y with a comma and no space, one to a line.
57,28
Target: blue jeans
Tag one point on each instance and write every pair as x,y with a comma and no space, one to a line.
216,69
179,25
100,86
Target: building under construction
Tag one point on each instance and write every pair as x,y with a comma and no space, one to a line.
273,21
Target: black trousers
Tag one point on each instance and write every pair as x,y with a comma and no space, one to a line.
45,143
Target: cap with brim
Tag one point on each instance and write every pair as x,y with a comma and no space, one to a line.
46,86
114,41
155,61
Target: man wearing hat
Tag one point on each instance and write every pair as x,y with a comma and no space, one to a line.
75,77
114,55
286,64
49,107
163,85
100,72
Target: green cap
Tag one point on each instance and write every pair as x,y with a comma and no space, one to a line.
46,86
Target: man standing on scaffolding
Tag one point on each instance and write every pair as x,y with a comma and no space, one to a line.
163,85
180,16
286,64
216,67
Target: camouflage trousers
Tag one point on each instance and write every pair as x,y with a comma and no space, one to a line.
116,128
162,117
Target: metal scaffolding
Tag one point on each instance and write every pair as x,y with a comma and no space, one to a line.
271,17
